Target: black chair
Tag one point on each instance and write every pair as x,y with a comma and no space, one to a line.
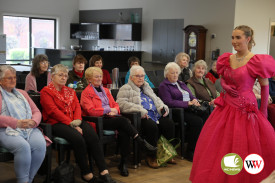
177,115
121,78
160,74
153,78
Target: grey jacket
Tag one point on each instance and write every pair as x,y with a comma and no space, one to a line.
128,98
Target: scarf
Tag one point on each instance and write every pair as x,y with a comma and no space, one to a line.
80,74
66,95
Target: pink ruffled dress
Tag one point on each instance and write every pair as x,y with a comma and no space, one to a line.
236,126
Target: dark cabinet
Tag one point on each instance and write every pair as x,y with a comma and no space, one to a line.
84,31
167,39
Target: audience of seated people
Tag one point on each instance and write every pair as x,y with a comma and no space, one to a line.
212,75
272,88
97,61
270,107
138,96
176,94
76,78
18,127
97,100
39,75
183,59
62,110
135,61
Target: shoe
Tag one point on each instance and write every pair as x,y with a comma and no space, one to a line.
145,145
106,178
152,162
172,161
123,169
93,180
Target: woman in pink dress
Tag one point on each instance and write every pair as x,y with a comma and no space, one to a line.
236,125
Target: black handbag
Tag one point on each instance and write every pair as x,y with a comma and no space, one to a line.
64,173
200,110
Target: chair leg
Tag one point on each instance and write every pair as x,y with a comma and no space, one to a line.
49,166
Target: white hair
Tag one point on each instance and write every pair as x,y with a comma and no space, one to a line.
200,63
59,67
134,68
4,68
171,65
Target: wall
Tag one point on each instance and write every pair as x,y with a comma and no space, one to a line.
217,16
66,11
256,14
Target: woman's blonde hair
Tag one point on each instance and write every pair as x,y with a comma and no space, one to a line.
199,63
90,71
179,57
248,32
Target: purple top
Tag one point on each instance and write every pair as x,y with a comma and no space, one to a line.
104,100
172,96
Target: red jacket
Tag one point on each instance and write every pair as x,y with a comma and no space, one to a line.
211,77
91,103
106,78
53,109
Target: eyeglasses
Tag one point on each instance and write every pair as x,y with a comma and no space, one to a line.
139,76
44,62
10,78
62,75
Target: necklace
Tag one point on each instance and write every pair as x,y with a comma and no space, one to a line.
241,58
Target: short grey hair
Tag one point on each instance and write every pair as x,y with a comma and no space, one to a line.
134,68
4,68
171,65
59,67
200,63
180,55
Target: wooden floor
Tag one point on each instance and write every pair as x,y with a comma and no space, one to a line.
143,174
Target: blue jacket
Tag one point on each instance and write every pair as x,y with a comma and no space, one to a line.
172,96
146,79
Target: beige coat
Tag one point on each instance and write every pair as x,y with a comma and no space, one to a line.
128,98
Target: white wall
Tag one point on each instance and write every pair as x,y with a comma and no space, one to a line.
215,15
256,14
66,11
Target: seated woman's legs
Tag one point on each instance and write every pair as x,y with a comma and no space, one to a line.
25,164
167,128
194,126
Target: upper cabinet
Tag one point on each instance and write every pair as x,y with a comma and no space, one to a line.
115,31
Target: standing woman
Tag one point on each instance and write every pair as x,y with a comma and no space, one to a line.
76,76
62,110
97,61
18,127
39,75
236,125
183,59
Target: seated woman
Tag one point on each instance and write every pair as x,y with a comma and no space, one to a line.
183,59
76,78
62,110
138,96
175,93
18,121
97,61
212,75
135,61
202,88
97,101
39,75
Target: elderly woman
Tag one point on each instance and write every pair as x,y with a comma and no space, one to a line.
18,121
97,101
135,61
62,110
97,61
202,88
183,59
39,75
175,93
138,96
212,75
76,78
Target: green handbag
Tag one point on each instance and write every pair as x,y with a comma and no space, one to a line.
166,151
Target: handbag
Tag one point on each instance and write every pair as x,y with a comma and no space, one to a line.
166,151
200,110
64,173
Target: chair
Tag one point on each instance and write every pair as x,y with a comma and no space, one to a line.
177,115
153,78
121,78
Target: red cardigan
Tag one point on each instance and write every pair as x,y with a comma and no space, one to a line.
91,103
211,77
53,109
106,78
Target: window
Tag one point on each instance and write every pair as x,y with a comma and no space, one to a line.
25,33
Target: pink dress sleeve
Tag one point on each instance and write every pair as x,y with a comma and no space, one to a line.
261,65
222,63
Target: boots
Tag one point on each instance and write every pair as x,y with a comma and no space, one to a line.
123,167
145,145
